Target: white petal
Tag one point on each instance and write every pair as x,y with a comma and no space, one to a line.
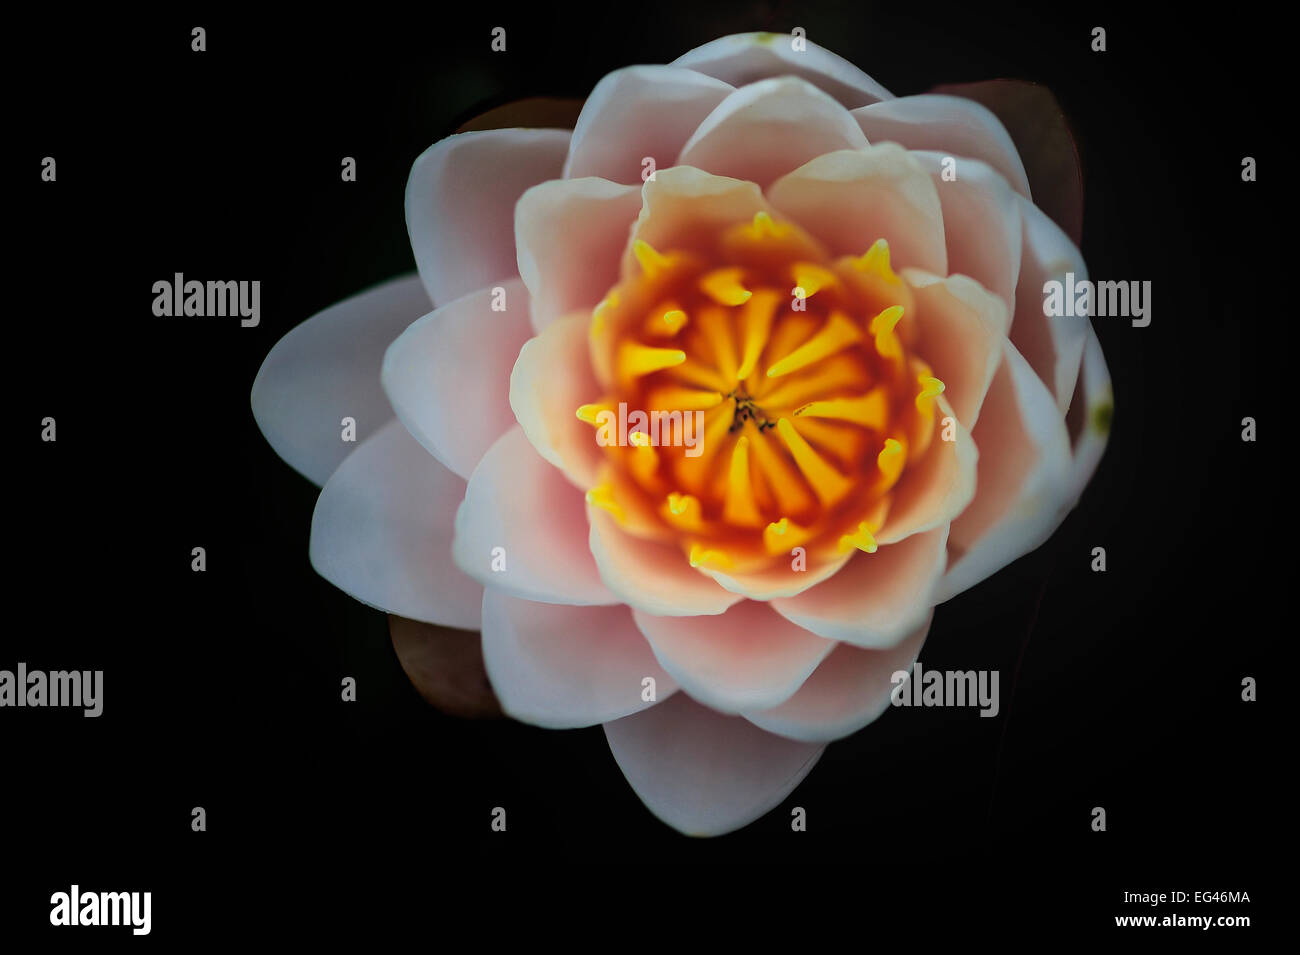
637,112
382,532
765,130
327,369
950,125
748,657
448,375
521,504
559,667
460,204
1022,490
1053,345
749,57
849,690
981,222
703,773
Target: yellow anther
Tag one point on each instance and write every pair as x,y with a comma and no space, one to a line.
780,536
875,261
870,410
861,539
652,262
882,327
838,333
602,496
683,511
724,286
890,460
635,359
677,398
811,278
755,326
764,227
931,388
700,555
739,506
638,439
827,483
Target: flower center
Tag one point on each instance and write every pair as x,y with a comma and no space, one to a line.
759,396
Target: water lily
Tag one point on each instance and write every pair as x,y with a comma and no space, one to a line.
844,288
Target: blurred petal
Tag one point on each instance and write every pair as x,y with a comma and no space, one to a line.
703,773
949,125
448,375
460,204
571,234
761,132
850,198
637,112
519,503
745,658
531,112
445,666
848,691
1089,418
877,599
382,532
1023,488
749,57
561,667
327,369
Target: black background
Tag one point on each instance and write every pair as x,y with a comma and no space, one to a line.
1120,690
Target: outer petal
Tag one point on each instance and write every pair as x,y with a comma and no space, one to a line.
749,57
1089,418
1053,345
1023,478
936,488
571,234
637,112
949,125
878,599
748,657
960,331
848,691
460,204
981,220
652,577
551,379
382,532
327,369
761,132
518,502
850,198
448,375
561,667
703,773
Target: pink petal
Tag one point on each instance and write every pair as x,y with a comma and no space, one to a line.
636,112
877,599
382,532
682,204
761,132
961,328
571,234
703,773
748,657
850,198
781,580
561,667
448,375
1023,485
981,220
949,125
652,577
517,502
745,58
327,369
551,379
1053,345
938,487
460,204
848,691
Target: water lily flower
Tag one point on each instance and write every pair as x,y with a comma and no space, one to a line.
843,288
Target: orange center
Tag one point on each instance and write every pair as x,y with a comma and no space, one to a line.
779,403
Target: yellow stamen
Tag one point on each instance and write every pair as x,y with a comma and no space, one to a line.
652,262
700,555
931,388
665,320
677,398
780,536
755,326
861,539
870,410
589,413
765,227
882,327
838,333
811,278
875,261
635,359
724,286
739,507
683,511
827,483
890,460
602,496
